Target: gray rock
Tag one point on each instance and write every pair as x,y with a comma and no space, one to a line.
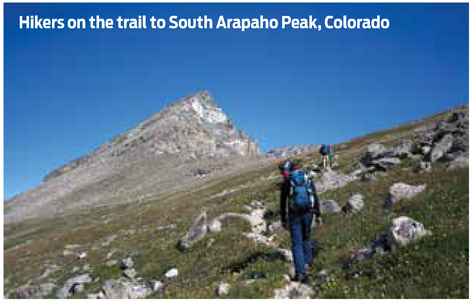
171,273
460,162
403,150
66,253
441,147
273,227
400,191
127,263
444,128
130,273
375,150
124,289
360,255
79,288
157,285
50,269
32,291
70,285
383,163
425,150
329,206
222,290
330,180
294,290
460,143
355,203
196,233
404,230
98,295
81,255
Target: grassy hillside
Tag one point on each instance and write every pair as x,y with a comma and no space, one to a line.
434,267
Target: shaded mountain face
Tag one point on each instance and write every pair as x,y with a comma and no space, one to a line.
191,137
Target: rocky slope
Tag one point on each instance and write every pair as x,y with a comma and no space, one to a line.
191,137
395,218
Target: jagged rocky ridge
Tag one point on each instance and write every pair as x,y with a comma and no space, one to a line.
191,137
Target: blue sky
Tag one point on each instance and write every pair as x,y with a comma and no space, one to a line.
68,91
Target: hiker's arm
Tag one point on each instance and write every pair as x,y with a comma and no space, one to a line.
283,202
317,203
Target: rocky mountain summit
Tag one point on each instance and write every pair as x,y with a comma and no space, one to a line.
191,137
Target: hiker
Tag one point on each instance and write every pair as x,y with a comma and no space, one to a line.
284,168
327,154
303,205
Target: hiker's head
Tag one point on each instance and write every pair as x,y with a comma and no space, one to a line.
296,165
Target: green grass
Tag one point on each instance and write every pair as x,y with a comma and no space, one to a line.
435,267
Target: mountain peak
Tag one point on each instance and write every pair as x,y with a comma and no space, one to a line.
203,105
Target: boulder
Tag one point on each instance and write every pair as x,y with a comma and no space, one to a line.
354,204
196,233
404,230
329,206
441,147
400,191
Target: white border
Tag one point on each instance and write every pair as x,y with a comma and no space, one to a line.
196,1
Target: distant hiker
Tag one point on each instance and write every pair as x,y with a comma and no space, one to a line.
284,168
327,154
303,204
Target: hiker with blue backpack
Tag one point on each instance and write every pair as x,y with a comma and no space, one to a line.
327,154
303,205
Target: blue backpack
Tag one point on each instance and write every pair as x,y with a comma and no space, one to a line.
301,191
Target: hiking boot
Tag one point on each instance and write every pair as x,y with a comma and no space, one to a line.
303,278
